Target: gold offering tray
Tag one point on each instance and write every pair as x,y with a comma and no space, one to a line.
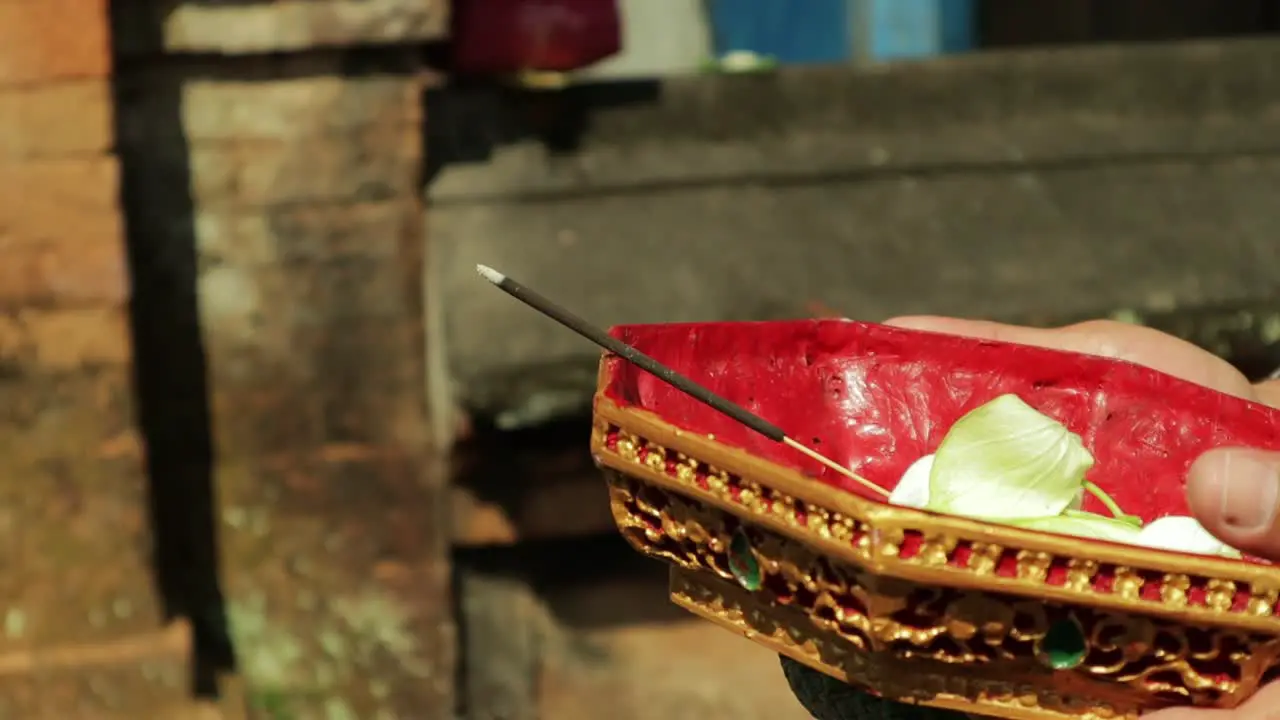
931,609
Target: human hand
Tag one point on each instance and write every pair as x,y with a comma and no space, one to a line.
1233,492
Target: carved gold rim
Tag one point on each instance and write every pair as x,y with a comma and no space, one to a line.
987,643
791,634
928,548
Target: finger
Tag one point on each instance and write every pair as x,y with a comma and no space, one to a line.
1121,341
1262,706
1095,337
982,330
1268,392
1186,713
1235,494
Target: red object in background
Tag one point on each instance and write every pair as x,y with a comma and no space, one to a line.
508,36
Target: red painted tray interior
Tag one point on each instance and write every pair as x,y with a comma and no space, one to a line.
877,398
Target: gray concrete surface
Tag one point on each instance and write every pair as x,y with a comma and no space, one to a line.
1007,185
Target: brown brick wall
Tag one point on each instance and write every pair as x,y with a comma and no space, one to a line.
53,40
70,470
80,632
294,179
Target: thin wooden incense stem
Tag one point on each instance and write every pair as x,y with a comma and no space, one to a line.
662,372
834,465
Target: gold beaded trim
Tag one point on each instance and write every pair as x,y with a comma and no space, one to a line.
943,555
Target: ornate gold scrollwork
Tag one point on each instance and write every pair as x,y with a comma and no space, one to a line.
893,620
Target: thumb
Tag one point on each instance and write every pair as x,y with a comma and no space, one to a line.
1259,707
1235,494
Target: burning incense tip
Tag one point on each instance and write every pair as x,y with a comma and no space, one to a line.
490,274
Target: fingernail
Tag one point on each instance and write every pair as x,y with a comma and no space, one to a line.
1250,492
908,321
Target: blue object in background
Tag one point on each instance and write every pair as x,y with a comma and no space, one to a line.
897,29
836,31
789,31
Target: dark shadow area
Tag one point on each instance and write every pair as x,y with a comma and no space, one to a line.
355,62
508,598
829,699
471,119
541,479
1245,334
1013,23
605,583
169,366
555,569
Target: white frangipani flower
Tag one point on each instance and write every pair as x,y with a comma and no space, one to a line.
1183,534
1006,462
913,489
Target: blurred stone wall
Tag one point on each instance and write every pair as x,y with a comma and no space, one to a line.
243,180
273,154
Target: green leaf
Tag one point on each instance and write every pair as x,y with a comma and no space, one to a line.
1133,520
1005,460
1083,524
1104,498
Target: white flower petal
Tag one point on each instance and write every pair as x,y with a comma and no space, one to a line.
913,489
1183,534
1077,502
1006,460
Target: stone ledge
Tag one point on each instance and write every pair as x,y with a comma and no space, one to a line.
145,27
1023,242
126,679
1007,185
994,108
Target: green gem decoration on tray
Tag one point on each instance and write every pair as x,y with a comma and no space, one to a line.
743,563
1064,645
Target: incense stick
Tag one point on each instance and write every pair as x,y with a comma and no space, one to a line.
662,372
